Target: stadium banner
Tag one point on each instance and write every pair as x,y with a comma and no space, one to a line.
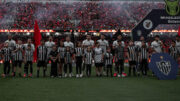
163,66
169,15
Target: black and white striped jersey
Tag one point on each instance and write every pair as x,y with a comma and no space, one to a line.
68,57
79,51
42,53
29,55
6,52
88,57
132,53
173,52
108,59
119,52
143,52
61,51
98,53
18,55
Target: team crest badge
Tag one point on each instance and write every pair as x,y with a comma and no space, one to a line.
164,67
148,24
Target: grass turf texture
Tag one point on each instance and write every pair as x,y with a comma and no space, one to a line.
88,89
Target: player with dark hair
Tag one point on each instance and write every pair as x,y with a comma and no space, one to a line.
28,60
54,55
41,58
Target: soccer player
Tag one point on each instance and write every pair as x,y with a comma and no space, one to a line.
138,45
88,57
11,45
157,45
68,61
132,57
49,44
29,42
68,43
41,58
115,43
6,55
173,50
88,42
61,51
178,43
54,55
103,44
11,42
119,58
108,61
143,54
114,46
28,60
98,59
78,58
18,57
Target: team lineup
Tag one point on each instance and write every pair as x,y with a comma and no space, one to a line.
84,54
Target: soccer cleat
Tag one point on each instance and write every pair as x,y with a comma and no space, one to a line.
3,75
119,75
123,75
30,75
81,75
104,73
115,74
24,75
65,75
70,75
77,75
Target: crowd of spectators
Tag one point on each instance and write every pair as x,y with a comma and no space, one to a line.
76,15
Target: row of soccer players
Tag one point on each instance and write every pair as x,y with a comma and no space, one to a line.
84,53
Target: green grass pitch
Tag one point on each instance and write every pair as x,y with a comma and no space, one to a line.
88,89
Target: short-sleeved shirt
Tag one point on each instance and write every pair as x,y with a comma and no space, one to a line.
156,45
103,44
115,43
98,52
68,44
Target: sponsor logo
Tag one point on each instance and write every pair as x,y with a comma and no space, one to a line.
172,7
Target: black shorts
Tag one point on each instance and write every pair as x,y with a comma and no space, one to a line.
61,60
41,64
132,63
119,62
98,64
17,63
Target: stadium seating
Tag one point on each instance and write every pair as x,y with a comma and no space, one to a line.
76,15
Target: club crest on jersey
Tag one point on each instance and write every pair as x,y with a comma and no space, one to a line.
164,67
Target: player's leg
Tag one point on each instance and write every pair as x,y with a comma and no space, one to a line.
31,68
65,70
70,69
19,68
38,67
